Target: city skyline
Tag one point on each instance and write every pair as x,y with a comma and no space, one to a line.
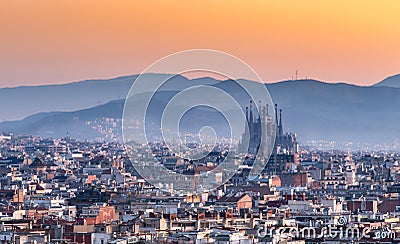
199,122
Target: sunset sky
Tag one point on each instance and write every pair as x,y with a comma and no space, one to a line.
47,41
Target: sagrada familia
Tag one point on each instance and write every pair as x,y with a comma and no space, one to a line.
264,124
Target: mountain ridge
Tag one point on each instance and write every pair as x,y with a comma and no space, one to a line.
391,81
315,110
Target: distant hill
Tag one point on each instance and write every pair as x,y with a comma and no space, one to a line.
58,124
313,109
392,81
339,112
20,102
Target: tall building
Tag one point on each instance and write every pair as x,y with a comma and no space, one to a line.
284,141
263,122
258,124
285,145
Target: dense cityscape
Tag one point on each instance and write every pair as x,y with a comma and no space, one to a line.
62,190
226,122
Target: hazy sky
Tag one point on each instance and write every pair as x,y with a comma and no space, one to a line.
47,41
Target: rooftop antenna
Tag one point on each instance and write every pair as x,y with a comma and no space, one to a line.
296,74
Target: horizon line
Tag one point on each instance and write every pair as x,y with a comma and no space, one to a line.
205,76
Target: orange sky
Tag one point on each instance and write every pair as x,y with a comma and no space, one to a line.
47,41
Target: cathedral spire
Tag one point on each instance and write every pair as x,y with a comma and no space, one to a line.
251,110
280,123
